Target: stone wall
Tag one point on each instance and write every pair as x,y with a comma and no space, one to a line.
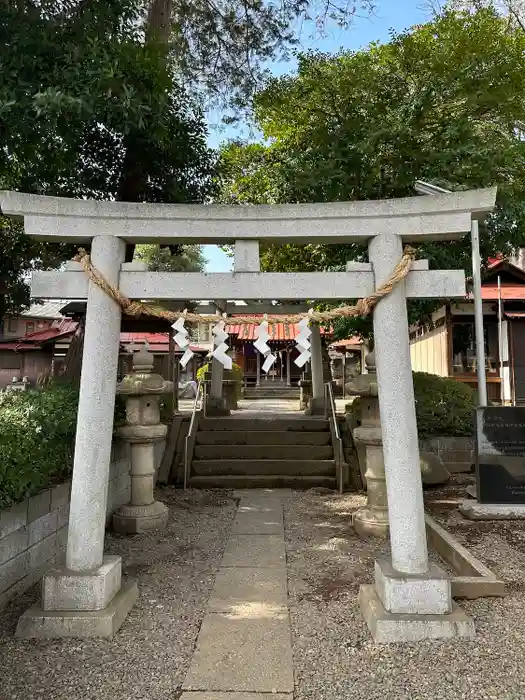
457,453
33,534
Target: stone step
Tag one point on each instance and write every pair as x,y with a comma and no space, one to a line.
280,452
269,390
233,423
271,396
266,467
266,481
261,437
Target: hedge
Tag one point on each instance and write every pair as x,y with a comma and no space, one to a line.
37,436
444,406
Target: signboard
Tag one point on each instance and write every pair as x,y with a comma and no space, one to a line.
500,450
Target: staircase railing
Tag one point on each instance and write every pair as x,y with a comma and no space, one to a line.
331,416
199,407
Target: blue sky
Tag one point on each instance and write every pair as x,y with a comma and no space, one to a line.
390,14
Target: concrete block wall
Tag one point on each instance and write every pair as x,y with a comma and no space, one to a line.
33,534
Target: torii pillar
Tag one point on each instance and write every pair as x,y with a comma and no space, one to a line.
86,597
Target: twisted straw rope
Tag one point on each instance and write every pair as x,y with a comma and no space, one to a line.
137,308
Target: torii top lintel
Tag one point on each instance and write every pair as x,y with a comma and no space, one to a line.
440,217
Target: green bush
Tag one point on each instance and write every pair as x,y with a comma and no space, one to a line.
37,435
444,406
236,372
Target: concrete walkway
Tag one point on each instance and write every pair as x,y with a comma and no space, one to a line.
244,649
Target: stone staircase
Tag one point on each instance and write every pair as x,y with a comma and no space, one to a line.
272,390
263,453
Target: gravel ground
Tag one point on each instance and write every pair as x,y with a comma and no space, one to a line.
334,655
149,657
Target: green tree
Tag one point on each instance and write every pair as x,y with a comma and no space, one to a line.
161,259
222,48
104,98
438,103
80,90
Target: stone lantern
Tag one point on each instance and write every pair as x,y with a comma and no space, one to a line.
143,389
373,518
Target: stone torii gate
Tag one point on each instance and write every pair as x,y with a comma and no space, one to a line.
410,600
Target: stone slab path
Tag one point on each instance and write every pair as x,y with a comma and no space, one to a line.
244,649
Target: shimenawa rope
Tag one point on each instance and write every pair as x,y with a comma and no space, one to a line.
138,308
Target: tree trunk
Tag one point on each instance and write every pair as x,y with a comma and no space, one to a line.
73,360
132,185
159,21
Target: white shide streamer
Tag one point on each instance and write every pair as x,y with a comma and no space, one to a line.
302,340
183,341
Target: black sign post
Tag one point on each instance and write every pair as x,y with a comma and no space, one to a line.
500,454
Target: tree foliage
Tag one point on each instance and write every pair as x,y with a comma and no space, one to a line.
37,437
104,98
76,80
88,108
161,259
444,406
439,102
222,47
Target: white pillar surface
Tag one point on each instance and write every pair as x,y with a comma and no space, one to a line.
89,490
289,368
478,316
506,385
258,379
317,364
398,414
216,379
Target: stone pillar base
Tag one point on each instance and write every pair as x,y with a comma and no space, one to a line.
132,520
370,523
63,589
473,510
387,627
216,407
316,407
41,624
411,607
419,594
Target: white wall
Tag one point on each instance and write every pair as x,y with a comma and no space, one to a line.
429,353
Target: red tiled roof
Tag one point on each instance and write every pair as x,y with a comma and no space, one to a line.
34,341
353,342
509,292
158,342
152,338
9,345
278,331
58,329
281,332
